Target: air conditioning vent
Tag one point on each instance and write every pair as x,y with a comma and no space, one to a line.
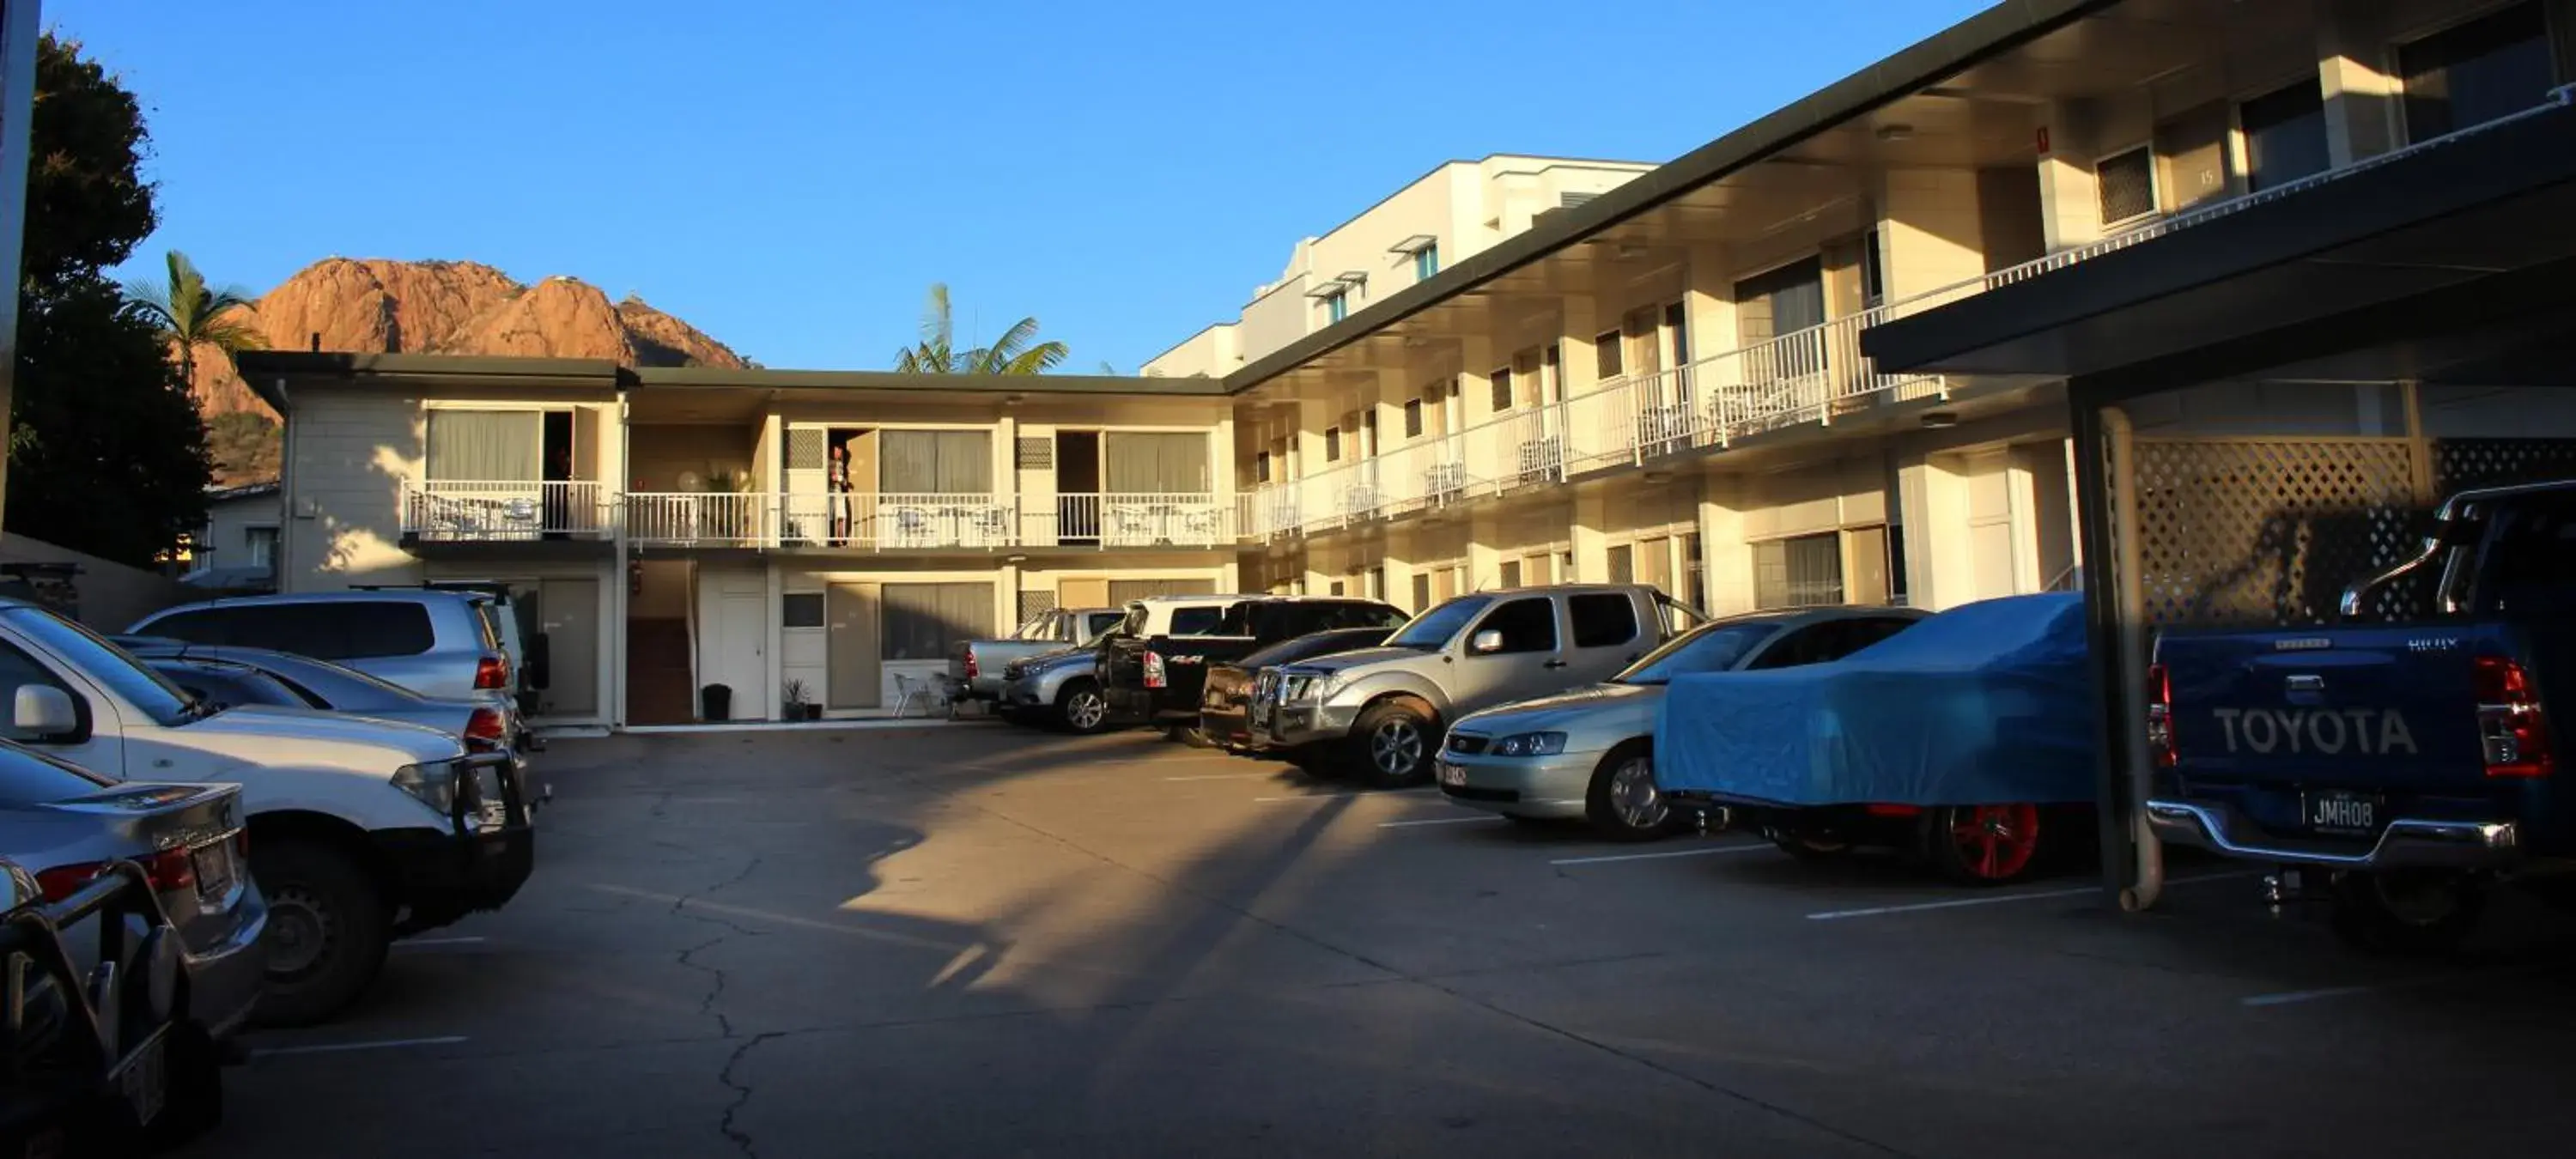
1573,200
805,449
1036,454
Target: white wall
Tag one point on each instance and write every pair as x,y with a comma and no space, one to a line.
347,454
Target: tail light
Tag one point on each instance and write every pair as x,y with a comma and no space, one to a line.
2160,732
486,729
970,664
2511,725
492,672
1154,677
169,870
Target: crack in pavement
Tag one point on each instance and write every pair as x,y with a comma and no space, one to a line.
741,1093
1433,982
688,957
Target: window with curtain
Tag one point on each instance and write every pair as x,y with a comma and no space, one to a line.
935,462
2472,73
923,620
1155,463
1804,572
485,445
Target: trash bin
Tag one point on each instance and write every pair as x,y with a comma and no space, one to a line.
715,702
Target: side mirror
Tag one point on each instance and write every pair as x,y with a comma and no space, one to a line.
535,662
1485,643
44,712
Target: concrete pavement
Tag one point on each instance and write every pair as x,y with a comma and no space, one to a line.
980,940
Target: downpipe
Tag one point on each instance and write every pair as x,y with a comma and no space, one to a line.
2148,872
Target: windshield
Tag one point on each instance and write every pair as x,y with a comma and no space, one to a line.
108,664
1432,630
1715,648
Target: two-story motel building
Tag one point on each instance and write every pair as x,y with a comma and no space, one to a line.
1513,371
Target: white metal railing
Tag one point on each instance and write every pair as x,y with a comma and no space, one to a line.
1131,519
701,518
484,510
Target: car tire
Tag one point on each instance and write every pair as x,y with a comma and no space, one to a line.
328,929
1081,709
1612,802
1394,742
1983,845
2406,914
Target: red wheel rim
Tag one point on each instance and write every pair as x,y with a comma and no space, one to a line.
1995,841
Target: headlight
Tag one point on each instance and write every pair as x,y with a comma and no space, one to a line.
434,783
1531,744
1296,687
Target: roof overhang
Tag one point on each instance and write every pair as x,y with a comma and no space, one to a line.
1994,31
2476,207
271,373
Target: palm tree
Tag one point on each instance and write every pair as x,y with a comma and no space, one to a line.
189,313
1017,351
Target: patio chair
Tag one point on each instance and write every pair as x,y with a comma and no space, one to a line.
928,691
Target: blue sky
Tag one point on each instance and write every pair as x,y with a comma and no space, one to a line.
791,177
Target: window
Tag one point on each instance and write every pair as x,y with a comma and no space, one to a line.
1623,564
800,610
2285,134
229,684
1335,588
2128,185
1261,467
1694,573
337,630
1605,354
1332,444
91,655
2476,72
1526,625
1413,418
1426,262
1503,389
484,446
1336,306
1551,383
1714,649
1677,333
1873,273
1808,645
1511,577
259,547
1196,621
934,462
923,620
1421,589
1602,620
1798,573
28,778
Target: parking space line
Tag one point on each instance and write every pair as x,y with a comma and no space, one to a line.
1223,777
2000,898
339,1047
1657,856
1438,821
1340,796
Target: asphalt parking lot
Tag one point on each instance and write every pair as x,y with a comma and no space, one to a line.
972,939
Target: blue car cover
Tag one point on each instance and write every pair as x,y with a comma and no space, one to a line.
1986,704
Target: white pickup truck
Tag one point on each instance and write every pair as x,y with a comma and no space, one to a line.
361,830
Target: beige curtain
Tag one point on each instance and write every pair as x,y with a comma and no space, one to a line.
1155,463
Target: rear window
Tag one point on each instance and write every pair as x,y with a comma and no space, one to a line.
29,778
1602,620
339,630
1195,621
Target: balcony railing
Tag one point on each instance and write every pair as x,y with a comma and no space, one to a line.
501,511
889,521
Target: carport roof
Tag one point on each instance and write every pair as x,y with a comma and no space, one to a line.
2483,205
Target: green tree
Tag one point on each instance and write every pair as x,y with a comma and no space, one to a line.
190,314
1017,351
106,452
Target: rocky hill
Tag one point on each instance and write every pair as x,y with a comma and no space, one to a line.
379,306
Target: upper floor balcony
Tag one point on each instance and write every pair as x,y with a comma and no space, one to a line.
482,512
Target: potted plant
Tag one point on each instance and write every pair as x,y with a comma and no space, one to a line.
798,706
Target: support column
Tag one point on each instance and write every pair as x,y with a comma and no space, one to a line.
2361,98
2070,200
1591,541
1726,560
1579,366
1484,560
1708,303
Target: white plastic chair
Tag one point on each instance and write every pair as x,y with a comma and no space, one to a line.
928,691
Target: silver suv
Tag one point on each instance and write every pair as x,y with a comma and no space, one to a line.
441,644
1381,712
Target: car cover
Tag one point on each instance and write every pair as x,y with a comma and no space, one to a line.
1989,703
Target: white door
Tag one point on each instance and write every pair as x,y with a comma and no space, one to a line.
740,658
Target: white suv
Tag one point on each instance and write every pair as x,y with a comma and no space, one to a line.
362,830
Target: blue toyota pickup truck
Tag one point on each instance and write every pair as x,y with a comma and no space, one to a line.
2403,769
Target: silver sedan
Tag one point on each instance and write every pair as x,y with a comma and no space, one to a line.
1589,752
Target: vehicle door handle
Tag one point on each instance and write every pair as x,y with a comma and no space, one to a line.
1554,664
